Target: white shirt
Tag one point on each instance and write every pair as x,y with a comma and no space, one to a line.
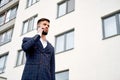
44,43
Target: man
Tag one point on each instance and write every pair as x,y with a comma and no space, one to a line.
40,58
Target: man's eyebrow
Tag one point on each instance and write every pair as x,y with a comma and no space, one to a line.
46,24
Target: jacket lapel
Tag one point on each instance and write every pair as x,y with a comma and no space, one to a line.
43,50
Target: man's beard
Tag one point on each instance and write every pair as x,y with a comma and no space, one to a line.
44,33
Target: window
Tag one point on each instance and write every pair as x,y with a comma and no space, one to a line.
65,7
13,13
62,9
6,36
29,25
2,38
31,2
69,40
21,59
34,1
65,41
25,27
60,43
63,75
71,5
2,19
35,23
3,2
8,15
3,63
111,26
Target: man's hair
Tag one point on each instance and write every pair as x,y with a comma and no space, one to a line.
43,19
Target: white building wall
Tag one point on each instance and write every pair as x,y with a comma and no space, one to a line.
91,59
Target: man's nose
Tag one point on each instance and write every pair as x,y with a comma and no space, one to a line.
46,27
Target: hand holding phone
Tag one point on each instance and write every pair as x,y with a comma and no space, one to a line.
40,30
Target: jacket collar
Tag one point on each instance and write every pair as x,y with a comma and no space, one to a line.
40,46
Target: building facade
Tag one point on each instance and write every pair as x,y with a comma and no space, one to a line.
85,35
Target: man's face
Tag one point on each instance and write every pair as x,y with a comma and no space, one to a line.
45,26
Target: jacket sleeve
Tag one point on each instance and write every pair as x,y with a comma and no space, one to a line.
52,66
29,42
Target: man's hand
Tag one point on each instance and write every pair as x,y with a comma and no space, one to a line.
40,30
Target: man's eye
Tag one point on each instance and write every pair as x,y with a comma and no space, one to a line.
44,24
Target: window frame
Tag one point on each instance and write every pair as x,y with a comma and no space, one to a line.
24,28
5,32
56,43
117,19
4,3
17,58
5,15
66,40
63,34
67,70
28,20
67,12
58,8
15,13
30,3
5,62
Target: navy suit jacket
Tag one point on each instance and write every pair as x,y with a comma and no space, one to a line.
40,62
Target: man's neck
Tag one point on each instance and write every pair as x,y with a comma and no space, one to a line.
43,37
